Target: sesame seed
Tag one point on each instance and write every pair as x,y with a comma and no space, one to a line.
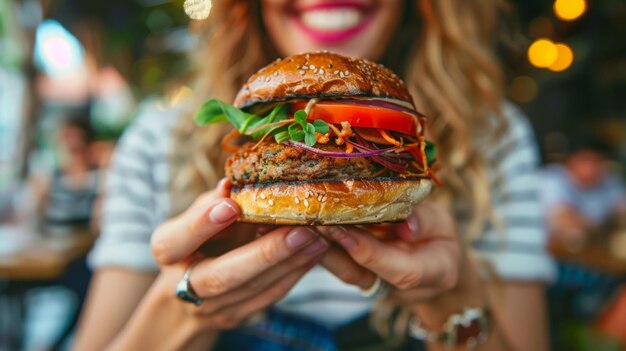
312,67
302,73
263,196
346,73
323,199
307,194
271,202
336,200
306,203
336,72
297,200
276,73
321,71
267,79
361,206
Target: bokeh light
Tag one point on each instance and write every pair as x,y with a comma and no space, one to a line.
523,89
198,9
564,59
542,53
57,51
569,10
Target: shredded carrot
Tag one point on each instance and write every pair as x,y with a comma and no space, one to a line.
383,133
338,138
424,158
225,144
334,129
346,130
433,176
349,148
322,138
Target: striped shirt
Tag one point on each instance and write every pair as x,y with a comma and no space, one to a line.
137,201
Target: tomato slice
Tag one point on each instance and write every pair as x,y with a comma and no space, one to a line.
362,115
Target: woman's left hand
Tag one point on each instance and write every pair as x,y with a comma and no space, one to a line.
425,261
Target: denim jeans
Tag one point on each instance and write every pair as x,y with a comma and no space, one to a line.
279,331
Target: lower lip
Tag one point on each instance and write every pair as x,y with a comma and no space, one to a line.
332,37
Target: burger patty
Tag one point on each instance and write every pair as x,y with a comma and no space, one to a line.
272,162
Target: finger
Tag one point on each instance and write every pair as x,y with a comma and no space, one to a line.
428,220
245,263
340,264
403,268
231,316
261,282
180,237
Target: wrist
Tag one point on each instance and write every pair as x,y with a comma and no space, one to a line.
162,314
467,293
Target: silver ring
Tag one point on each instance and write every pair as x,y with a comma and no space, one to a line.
378,289
184,291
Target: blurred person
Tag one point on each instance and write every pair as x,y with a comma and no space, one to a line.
582,197
444,50
69,196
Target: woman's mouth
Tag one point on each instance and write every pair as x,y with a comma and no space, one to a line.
334,21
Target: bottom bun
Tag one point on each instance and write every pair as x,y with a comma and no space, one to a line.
330,201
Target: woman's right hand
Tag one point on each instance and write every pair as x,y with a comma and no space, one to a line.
242,281
234,285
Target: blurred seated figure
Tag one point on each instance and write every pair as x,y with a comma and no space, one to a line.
582,196
73,188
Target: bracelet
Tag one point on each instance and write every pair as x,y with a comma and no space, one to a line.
471,328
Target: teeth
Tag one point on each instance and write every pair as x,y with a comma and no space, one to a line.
332,20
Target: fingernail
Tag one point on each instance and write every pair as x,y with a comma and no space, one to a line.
414,226
317,246
343,238
222,212
299,237
221,183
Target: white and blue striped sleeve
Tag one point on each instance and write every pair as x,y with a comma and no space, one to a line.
129,213
516,249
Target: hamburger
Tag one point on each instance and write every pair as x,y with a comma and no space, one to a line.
324,139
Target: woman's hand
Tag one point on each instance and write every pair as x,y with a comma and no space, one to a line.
234,285
424,264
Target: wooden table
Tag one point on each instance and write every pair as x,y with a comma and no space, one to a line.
45,258
594,256
40,261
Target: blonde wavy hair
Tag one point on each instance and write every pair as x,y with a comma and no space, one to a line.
445,51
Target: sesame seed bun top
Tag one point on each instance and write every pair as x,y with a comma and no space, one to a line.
321,75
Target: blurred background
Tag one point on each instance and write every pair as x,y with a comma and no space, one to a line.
73,73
